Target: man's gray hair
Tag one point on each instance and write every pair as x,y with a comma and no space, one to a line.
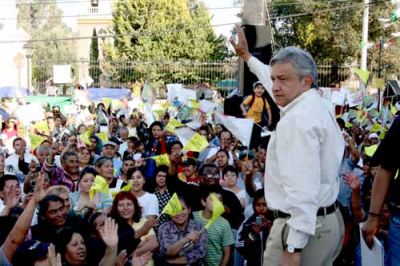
301,60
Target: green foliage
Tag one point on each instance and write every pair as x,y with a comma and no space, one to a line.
94,70
42,20
332,36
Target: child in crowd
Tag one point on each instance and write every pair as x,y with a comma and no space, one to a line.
253,233
220,237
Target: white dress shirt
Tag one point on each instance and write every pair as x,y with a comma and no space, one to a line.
303,160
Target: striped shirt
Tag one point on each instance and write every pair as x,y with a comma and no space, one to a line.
219,236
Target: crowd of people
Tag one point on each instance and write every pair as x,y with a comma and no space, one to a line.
93,191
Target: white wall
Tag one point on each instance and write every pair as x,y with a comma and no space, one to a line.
13,63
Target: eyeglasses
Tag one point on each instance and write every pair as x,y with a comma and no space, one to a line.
211,176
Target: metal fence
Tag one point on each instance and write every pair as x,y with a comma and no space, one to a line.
221,75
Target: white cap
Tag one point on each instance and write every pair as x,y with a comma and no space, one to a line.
373,136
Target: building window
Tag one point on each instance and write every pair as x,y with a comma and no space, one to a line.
94,3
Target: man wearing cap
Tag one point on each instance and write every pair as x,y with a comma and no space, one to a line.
110,151
189,171
303,159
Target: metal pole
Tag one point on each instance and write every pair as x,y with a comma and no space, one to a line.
364,36
379,71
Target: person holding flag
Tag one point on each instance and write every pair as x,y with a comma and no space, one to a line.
220,237
182,239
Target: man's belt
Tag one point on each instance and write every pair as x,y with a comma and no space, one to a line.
321,211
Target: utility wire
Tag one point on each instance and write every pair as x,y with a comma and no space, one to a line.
168,31
105,14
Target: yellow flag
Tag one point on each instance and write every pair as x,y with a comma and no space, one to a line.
363,75
85,136
370,150
217,210
103,136
36,140
162,159
348,125
128,187
172,124
42,127
193,104
393,109
383,134
196,143
173,207
107,102
375,128
99,185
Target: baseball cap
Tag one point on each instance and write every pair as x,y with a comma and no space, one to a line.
373,136
189,161
110,143
30,251
243,154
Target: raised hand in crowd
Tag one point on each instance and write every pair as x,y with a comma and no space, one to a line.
352,181
241,47
109,234
11,198
21,227
53,258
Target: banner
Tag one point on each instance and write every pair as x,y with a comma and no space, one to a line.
30,113
176,91
97,94
62,74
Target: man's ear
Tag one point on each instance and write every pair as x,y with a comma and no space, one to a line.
308,80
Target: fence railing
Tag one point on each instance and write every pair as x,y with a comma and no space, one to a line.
221,75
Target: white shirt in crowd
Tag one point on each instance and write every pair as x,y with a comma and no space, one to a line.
304,155
149,204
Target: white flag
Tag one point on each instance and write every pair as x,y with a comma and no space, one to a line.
184,134
241,128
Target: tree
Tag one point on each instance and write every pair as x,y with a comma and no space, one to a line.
160,31
42,20
333,35
164,30
94,70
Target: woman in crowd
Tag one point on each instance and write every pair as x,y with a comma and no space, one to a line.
71,245
105,168
81,200
9,132
147,201
182,240
162,192
222,161
230,177
156,145
127,164
96,145
126,210
85,157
